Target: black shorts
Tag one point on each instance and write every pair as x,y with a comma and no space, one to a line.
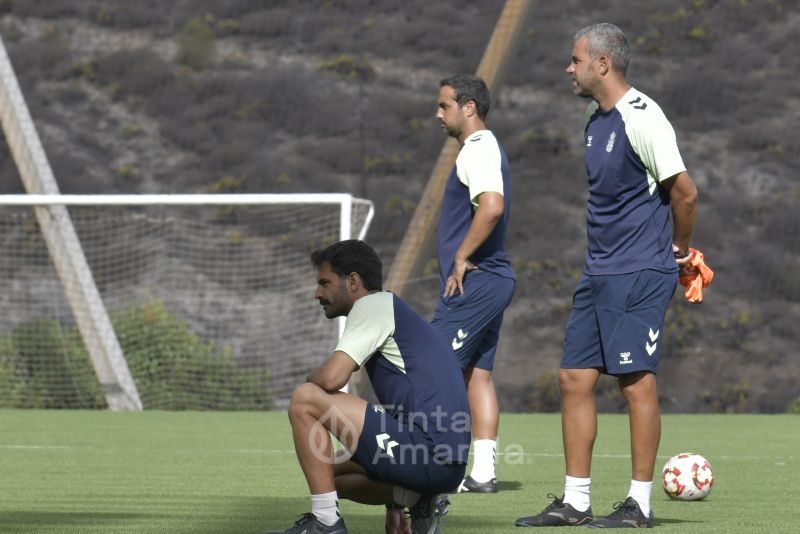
617,321
403,455
471,322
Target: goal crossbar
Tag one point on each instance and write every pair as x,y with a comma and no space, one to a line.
174,199
345,200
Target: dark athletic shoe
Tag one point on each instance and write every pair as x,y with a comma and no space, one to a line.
557,514
426,515
625,515
470,485
309,524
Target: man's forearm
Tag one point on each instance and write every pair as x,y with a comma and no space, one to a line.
488,214
333,374
683,217
683,200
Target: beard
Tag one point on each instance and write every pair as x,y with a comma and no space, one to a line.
451,131
331,310
578,89
585,85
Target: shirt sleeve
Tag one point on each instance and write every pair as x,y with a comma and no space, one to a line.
653,139
480,169
369,326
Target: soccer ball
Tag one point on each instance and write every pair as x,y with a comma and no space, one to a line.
687,477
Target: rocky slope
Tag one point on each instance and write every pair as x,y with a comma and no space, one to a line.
202,96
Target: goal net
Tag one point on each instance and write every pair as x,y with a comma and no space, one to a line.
210,297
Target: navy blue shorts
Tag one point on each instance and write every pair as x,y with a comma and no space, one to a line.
616,324
403,455
471,322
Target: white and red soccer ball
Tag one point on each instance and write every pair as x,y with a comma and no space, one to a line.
687,477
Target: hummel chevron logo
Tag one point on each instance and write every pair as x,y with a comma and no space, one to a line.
651,348
458,341
382,438
638,99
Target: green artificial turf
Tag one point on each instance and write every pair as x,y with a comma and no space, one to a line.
179,472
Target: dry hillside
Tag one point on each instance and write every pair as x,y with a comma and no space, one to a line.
287,96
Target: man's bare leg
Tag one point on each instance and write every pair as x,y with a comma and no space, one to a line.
639,390
641,394
314,412
485,422
578,418
482,403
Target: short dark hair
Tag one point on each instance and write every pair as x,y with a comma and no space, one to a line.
352,256
470,87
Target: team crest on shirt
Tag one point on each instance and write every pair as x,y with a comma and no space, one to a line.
589,140
611,139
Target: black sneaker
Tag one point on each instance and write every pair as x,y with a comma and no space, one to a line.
470,485
557,514
426,515
309,524
625,515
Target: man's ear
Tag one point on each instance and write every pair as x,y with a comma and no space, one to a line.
354,281
470,108
604,65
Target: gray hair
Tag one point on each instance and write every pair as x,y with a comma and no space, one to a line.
606,39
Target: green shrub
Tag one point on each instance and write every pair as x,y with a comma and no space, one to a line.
127,171
347,66
196,44
185,372
45,365
733,398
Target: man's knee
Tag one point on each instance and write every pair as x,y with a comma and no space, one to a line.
576,381
476,377
638,387
303,399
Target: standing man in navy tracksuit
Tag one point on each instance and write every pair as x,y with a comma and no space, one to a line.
637,179
476,278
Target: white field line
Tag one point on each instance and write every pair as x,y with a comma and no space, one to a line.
511,454
536,454
37,447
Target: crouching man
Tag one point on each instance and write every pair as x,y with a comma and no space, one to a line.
408,451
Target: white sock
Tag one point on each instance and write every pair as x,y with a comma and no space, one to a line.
404,496
325,507
640,491
576,492
483,461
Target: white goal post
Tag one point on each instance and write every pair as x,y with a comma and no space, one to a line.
210,296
